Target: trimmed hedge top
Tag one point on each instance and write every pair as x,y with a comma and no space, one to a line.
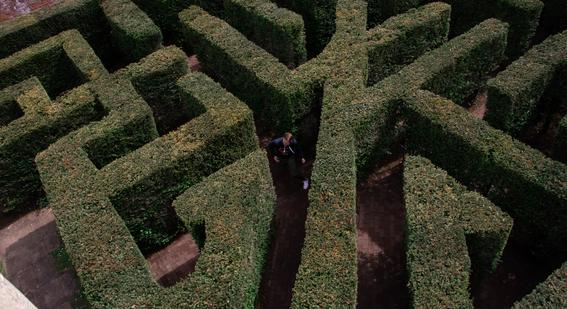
110,26
529,186
514,94
445,224
98,230
33,121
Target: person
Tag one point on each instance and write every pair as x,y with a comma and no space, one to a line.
287,150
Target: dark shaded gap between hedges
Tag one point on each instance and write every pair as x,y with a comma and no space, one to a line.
54,69
288,225
148,213
166,100
170,111
10,111
517,274
382,275
519,271
319,19
541,130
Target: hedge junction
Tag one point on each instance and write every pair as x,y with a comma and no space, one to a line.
122,138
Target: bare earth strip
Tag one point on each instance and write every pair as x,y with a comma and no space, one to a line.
26,247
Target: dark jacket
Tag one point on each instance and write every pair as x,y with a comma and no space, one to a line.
277,148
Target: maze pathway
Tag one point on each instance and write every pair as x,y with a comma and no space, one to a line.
27,248
135,145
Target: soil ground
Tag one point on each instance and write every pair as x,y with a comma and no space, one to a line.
174,262
288,228
27,244
478,107
516,276
382,274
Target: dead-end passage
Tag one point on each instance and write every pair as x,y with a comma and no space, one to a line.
288,225
174,262
382,275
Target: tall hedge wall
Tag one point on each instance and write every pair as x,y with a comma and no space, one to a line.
95,230
246,70
279,31
327,272
236,206
30,76
446,223
401,39
165,14
517,178
133,33
60,63
119,27
353,122
514,95
380,10
319,17
521,15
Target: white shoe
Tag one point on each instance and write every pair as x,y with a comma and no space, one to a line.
305,184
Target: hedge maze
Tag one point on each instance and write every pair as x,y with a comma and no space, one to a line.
102,120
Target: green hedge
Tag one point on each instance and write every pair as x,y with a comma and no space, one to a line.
277,30
514,95
517,178
468,59
60,63
36,72
164,13
133,33
521,15
319,17
83,15
549,294
110,266
236,206
248,71
560,145
401,39
119,27
445,223
327,274
354,124
159,89
380,10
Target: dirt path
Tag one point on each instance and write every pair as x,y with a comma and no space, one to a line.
174,262
27,246
381,254
285,249
478,106
516,276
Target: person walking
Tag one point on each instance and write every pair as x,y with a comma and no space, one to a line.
286,150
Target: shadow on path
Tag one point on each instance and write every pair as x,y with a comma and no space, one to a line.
288,228
380,220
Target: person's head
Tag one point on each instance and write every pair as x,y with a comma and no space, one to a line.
287,138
